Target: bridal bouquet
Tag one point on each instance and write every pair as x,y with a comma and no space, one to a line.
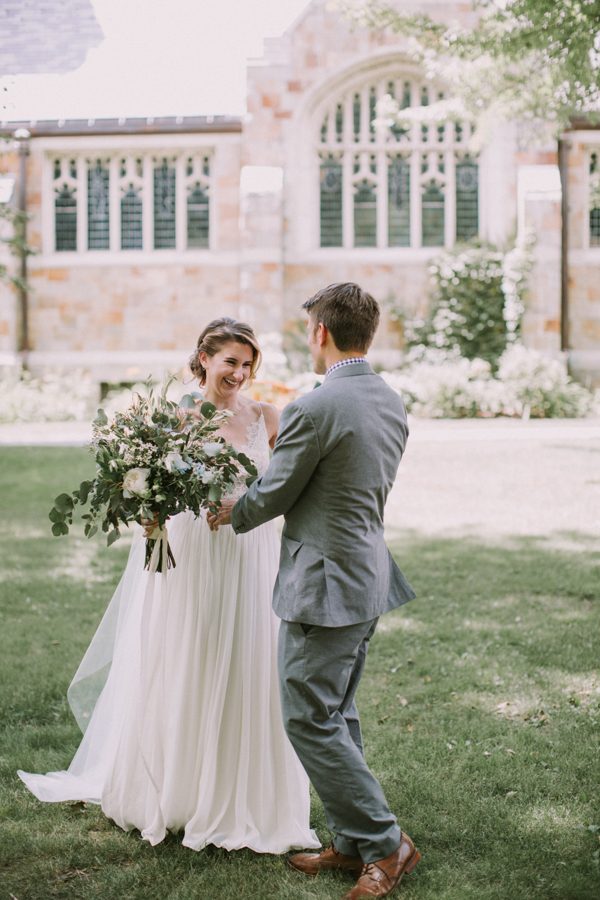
156,459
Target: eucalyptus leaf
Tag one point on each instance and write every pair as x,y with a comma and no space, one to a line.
112,537
208,409
55,515
64,503
187,402
84,490
60,528
214,493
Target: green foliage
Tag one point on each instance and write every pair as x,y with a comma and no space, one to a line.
468,305
16,242
551,48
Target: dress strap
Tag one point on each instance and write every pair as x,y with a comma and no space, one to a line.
253,429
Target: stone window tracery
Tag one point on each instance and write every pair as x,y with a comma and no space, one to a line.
415,184
143,201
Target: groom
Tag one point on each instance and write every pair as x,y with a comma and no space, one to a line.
335,460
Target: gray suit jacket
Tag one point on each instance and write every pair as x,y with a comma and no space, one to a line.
334,462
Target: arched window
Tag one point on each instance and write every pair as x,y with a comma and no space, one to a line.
414,185
65,204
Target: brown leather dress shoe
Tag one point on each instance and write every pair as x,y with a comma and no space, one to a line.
379,878
327,861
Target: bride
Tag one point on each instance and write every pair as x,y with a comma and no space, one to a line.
177,695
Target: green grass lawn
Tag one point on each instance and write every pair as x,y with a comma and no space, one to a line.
480,709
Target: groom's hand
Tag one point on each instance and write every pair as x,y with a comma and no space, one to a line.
223,517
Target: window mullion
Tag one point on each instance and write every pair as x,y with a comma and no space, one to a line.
364,117
82,205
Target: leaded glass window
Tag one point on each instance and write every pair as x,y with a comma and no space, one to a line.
98,205
198,201
398,202
467,199
595,199
164,204
65,204
131,203
331,202
365,201
432,215
414,184
136,202
132,219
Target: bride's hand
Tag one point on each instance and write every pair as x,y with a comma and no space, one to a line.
149,525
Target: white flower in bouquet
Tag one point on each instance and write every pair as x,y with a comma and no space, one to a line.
212,448
174,462
135,482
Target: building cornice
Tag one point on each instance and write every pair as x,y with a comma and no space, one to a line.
133,125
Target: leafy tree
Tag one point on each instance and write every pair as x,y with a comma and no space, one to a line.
534,60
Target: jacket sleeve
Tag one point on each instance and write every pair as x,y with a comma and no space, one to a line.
295,457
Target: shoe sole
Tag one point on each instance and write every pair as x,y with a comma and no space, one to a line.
354,872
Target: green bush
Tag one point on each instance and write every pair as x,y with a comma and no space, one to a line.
476,302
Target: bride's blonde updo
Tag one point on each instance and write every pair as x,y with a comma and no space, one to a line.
218,333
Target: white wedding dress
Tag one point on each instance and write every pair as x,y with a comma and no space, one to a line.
178,697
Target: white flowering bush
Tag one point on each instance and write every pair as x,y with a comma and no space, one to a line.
476,303
51,397
539,386
437,384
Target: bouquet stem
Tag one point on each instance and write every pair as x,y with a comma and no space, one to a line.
159,556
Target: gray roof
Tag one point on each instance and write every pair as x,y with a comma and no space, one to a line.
46,36
135,125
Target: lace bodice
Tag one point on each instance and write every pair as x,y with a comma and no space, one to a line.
256,446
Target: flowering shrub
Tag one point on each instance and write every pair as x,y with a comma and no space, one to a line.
52,397
436,384
540,387
477,302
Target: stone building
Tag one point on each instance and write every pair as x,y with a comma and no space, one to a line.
146,229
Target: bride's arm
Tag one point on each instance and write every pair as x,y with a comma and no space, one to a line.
271,415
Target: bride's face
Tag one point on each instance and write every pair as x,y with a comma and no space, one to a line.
228,369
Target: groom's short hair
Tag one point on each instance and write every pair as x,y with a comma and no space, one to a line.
349,313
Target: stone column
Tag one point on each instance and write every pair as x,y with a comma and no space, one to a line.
261,258
8,294
539,212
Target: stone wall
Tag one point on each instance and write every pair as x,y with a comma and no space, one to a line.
583,262
121,316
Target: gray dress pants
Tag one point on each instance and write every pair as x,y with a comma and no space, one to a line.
319,671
